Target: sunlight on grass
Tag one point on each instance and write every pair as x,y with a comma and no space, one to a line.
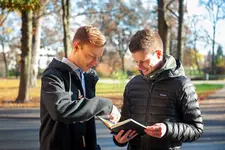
103,89
9,92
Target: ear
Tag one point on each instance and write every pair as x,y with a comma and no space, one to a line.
76,46
158,53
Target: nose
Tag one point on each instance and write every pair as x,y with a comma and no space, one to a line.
139,65
95,61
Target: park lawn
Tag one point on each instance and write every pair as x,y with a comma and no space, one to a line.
9,91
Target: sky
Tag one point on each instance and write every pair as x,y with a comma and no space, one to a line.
194,9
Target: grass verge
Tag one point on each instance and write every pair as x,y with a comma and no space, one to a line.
9,91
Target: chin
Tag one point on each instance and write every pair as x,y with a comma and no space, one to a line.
145,72
87,69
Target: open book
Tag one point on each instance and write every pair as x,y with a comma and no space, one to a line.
128,124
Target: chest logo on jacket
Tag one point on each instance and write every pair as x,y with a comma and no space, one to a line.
163,95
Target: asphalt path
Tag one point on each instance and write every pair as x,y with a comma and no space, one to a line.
19,128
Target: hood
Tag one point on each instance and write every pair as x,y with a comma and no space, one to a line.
57,64
171,68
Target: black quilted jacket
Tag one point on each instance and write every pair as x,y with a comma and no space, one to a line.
166,96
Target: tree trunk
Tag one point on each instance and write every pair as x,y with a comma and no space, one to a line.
168,42
171,45
213,49
122,63
4,58
179,37
26,42
162,25
36,41
196,56
65,18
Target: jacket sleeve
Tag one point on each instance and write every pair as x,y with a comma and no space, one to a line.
61,107
190,126
125,113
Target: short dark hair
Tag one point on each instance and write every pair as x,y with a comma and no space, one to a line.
144,40
89,34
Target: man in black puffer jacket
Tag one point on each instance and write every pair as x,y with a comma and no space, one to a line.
162,98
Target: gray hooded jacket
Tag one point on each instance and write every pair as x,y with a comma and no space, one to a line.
67,120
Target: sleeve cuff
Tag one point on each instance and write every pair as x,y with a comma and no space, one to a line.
168,129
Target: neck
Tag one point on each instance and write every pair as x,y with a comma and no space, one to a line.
159,65
72,60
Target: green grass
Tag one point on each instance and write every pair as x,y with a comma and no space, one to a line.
201,88
9,92
9,89
117,90
103,89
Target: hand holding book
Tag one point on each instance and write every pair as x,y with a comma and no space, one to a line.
125,125
115,115
122,137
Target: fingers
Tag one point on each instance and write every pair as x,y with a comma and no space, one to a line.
133,134
110,117
115,115
120,133
153,133
157,130
123,138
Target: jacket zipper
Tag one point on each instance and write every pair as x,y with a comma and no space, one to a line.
147,114
148,103
83,139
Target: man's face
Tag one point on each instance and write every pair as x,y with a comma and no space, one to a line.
146,62
88,56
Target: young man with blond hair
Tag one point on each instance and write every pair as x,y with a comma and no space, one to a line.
162,98
68,102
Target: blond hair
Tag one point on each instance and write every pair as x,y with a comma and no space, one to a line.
89,34
146,40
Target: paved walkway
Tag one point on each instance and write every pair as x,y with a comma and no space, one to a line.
26,122
214,102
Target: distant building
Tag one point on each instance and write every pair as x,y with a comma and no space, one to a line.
46,54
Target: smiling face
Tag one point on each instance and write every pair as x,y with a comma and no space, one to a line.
146,62
147,50
87,56
88,46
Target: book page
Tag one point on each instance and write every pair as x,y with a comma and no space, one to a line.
120,123
108,123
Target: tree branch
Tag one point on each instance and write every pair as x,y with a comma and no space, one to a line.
167,7
4,17
96,12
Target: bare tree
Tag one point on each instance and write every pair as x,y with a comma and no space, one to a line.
162,24
36,40
3,16
195,34
65,19
216,13
3,41
26,47
3,37
118,21
179,37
